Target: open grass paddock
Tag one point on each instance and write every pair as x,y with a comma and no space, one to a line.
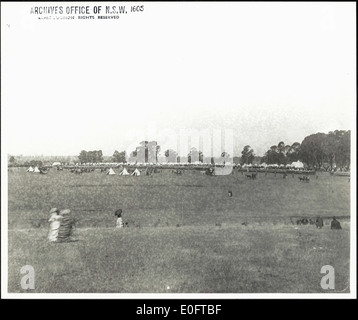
185,234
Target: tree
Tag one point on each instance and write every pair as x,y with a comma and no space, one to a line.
281,158
281,150
90,156
195,155
271,156
12,160
98,156
82,158
293,152
338,148
273,149
282,154
313,149
281,147
329,145
171,155
323,150
343,152
247,155
119,156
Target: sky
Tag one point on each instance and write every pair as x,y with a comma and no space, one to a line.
264,72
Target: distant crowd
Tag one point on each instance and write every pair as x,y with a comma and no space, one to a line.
335,224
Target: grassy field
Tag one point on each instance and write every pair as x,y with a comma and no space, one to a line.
185,233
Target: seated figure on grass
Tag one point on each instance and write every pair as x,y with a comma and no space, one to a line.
61,225
67,226
335,225
319,223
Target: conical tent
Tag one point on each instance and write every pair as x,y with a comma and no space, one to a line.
124,172
111,171
31,169
36,170
136,172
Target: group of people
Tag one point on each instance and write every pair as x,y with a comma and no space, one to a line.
62,225
335,224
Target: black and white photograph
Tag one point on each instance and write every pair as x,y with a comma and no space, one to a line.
166,150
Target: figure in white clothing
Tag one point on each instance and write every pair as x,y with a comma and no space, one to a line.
55,223
119,223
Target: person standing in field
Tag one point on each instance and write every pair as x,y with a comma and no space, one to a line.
319,223
335,225
67,226
55,222
119,222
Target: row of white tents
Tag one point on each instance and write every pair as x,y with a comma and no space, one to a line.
136,172
294,165
34,170
124,172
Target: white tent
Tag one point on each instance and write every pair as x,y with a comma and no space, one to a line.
297,164
124,172
275,165
56,163
36,170
31,169
136,172
110,172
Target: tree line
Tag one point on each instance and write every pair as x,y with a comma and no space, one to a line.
319,150
95,156
324,150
